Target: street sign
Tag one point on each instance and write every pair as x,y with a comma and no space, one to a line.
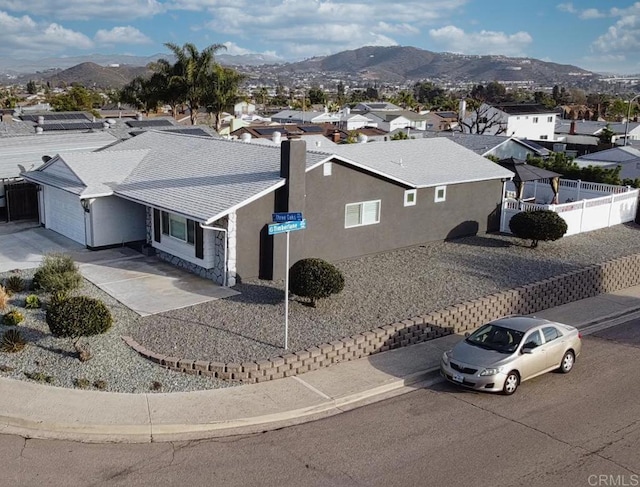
288,226
286,217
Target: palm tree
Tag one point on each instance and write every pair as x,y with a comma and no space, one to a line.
191,70
221,92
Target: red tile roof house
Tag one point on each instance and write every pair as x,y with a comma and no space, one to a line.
204,204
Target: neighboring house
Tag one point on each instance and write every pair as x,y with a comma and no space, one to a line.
393,120
303,117
587,132
204,204
23,153
441,121
278,133
243,108
525,121
496,146
628,158
377,106
354,121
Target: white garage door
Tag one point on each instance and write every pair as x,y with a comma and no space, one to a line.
64,214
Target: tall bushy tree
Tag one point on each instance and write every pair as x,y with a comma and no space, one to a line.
220,91
192,70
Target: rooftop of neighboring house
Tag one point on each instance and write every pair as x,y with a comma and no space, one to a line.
83,122
591,127
478,143
615,155
376,106
523,108
388,115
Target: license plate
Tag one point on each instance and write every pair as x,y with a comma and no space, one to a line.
458,378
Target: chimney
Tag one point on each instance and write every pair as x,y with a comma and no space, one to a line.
290,199
572,128
336,136
293,162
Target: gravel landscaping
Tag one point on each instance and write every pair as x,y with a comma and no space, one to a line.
379,289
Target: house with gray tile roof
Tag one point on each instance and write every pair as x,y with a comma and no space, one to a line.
205,204
628,158
495,145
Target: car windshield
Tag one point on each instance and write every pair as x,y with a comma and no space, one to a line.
494,337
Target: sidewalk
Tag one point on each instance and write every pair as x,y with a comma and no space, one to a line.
38,411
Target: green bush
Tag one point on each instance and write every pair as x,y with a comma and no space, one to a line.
14,284
57,273
12,318
12,341
315,279
76,316
32,302
538,225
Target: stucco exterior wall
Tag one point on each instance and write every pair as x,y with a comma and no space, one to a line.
115,221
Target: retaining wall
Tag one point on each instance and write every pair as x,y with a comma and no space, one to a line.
590,281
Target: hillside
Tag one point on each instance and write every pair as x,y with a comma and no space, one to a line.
93,75
399,63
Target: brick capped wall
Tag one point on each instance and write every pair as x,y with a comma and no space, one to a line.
590,281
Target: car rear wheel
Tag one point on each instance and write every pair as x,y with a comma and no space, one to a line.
511,383
567,362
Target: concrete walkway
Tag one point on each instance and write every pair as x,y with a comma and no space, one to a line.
38,411
145,285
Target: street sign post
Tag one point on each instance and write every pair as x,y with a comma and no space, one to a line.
286,223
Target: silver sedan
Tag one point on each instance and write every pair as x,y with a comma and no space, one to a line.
502,354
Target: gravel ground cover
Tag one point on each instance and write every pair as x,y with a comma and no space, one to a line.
379,289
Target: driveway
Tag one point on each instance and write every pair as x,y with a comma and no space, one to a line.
146,285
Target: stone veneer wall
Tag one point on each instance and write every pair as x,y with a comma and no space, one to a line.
590,281
216,274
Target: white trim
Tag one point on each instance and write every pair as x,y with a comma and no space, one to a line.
410,197
326,169
440,199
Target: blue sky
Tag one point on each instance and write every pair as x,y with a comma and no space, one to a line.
599,35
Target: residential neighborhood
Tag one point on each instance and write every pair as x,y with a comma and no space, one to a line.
360,255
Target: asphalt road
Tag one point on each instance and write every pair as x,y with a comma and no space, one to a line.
582,429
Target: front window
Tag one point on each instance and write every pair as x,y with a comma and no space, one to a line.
535,119
365,213
178,227
441,194
494,337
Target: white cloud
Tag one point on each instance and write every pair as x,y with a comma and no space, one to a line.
454,39
121,35
591,13
85,9
22,37
567,7
623,36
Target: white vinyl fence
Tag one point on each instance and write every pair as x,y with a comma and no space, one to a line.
586,207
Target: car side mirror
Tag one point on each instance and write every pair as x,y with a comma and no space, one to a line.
527,350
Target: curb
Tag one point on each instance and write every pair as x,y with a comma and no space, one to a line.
150,433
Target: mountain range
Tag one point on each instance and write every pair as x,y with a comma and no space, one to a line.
394,64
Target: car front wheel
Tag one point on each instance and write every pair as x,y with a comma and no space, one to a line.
567,362
511,383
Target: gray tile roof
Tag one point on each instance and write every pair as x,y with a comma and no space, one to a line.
592,127
97,173
27,150
478,143
422,162
614,155
200,177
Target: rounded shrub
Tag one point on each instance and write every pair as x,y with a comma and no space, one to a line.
12,318
315,279
32,302
76,316
57,273
538,225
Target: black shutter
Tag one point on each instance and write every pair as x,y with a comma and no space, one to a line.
199,241
157,226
